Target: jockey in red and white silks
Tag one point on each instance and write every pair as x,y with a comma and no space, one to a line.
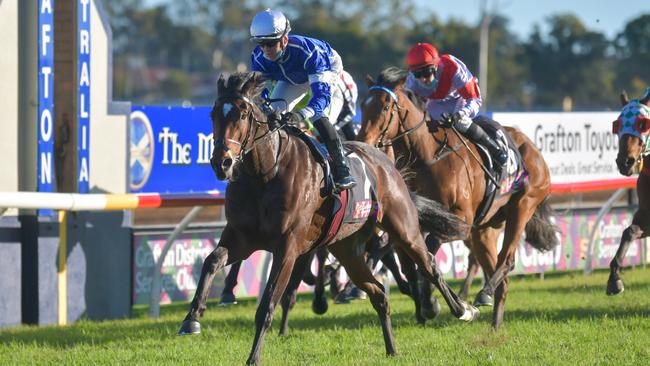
452,93
455,90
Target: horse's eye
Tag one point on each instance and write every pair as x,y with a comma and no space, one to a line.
385,109
243,116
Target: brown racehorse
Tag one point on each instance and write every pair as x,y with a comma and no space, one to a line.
274,203
632,127
446,172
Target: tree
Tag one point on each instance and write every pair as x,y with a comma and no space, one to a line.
633,50
570,62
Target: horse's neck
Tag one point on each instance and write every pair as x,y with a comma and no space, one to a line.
262,160
420,142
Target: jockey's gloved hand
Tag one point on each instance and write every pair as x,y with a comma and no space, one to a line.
274,119
447,120
293,118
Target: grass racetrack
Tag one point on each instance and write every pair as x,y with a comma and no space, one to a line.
565,319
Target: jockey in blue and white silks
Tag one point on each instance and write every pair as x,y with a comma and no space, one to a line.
298,64
305,63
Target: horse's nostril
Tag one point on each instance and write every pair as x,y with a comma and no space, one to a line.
226,163
630,161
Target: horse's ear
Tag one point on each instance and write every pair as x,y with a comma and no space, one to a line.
646,97
624,98
220,83
400,83
369,81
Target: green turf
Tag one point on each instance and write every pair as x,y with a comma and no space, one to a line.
561,320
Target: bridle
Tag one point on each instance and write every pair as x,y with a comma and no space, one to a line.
254,127
400,120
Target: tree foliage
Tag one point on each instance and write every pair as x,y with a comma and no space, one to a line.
175,50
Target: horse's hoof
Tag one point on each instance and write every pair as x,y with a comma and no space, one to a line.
419,318
483,299
227,299
357,294
190,327
470,313
341,298
430,311
615,287
319,306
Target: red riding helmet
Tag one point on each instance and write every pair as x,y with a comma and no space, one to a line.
422,54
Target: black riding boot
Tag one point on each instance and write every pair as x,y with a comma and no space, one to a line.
478,135
342,178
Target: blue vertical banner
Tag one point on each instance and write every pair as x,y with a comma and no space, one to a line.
45,123
83,95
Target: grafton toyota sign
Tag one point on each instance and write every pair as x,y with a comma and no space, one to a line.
577,146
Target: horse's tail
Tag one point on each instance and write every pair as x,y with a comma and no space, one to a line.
541,233
433,217
437,220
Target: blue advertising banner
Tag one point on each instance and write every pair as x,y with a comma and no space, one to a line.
170,150
83,94
45,130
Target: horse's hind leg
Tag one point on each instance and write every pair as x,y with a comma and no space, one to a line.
401,222
219,258
361,276
319,304
411,273
472,269
389,261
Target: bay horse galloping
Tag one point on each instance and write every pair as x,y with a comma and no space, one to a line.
447,169
274,202
632,127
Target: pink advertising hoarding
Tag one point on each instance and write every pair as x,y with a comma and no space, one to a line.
182,267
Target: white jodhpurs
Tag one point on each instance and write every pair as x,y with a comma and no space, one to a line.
292,94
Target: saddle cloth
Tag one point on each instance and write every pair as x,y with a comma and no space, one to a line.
512,178
350,206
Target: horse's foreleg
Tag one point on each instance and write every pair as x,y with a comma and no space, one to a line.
219,258
227,294
278,279
515,224
484,250
289,297
361,276
615,283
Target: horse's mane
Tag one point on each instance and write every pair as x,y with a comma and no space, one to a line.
247,84
392,77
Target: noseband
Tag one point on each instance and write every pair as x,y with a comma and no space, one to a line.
400,120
